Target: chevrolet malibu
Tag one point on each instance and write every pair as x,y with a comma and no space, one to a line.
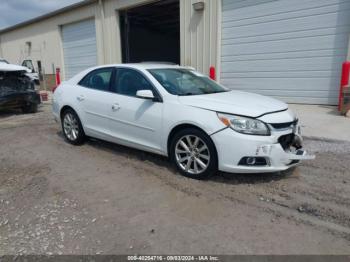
177,112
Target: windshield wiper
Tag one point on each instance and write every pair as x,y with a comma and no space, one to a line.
187,94
222,91
206,93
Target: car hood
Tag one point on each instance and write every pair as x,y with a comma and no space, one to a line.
235,102
11,68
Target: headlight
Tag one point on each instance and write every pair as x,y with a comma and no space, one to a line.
245,125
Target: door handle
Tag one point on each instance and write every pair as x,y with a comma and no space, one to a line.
80,98
115,107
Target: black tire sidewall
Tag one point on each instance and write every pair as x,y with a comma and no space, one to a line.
34,108
81,136
213,164
30,109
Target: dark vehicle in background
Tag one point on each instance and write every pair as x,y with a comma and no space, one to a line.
3,61
28,64
17,90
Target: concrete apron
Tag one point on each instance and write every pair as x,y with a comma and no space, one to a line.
322,121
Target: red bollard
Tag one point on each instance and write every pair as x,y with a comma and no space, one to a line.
58,79
212,73
344,81
58,76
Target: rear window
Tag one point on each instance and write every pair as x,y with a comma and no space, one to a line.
99,79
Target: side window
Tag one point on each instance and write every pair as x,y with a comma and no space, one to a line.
28,64
98,79
129,81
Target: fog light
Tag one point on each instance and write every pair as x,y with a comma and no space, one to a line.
251,161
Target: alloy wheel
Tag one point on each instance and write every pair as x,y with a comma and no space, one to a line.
192,154
70,126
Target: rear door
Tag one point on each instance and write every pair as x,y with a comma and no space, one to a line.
94,99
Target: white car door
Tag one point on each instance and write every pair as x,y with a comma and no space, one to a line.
93,99
135,121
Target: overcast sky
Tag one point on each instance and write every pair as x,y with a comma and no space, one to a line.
16,11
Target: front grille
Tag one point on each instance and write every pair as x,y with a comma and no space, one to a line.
286,141
284,125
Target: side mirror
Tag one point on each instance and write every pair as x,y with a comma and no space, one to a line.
146,94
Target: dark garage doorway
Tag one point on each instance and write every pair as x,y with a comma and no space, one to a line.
151,32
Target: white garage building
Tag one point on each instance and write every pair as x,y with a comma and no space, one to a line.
292,50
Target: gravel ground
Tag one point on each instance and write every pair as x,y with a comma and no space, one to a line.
101,198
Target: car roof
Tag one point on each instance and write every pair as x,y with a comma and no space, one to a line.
145,66
139,66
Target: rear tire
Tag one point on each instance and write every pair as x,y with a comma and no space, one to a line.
193,153
72,128
30,109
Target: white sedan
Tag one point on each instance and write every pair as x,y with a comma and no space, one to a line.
177,112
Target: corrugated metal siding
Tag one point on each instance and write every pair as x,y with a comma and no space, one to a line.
292,50
79,47
199,34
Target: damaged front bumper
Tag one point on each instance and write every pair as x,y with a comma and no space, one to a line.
19,99
239,153
17,90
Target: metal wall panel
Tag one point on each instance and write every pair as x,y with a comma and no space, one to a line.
292,50
79,47
200,35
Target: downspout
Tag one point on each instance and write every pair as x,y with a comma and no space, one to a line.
102,14
218,40
1,55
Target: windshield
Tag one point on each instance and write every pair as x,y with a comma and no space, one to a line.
184,82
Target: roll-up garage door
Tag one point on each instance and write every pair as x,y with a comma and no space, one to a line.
79,47
292,50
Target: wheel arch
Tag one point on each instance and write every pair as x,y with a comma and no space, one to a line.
182,126
66,107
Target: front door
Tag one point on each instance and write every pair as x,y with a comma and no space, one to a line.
135,121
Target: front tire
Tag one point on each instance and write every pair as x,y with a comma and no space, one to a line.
194,154
72,128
